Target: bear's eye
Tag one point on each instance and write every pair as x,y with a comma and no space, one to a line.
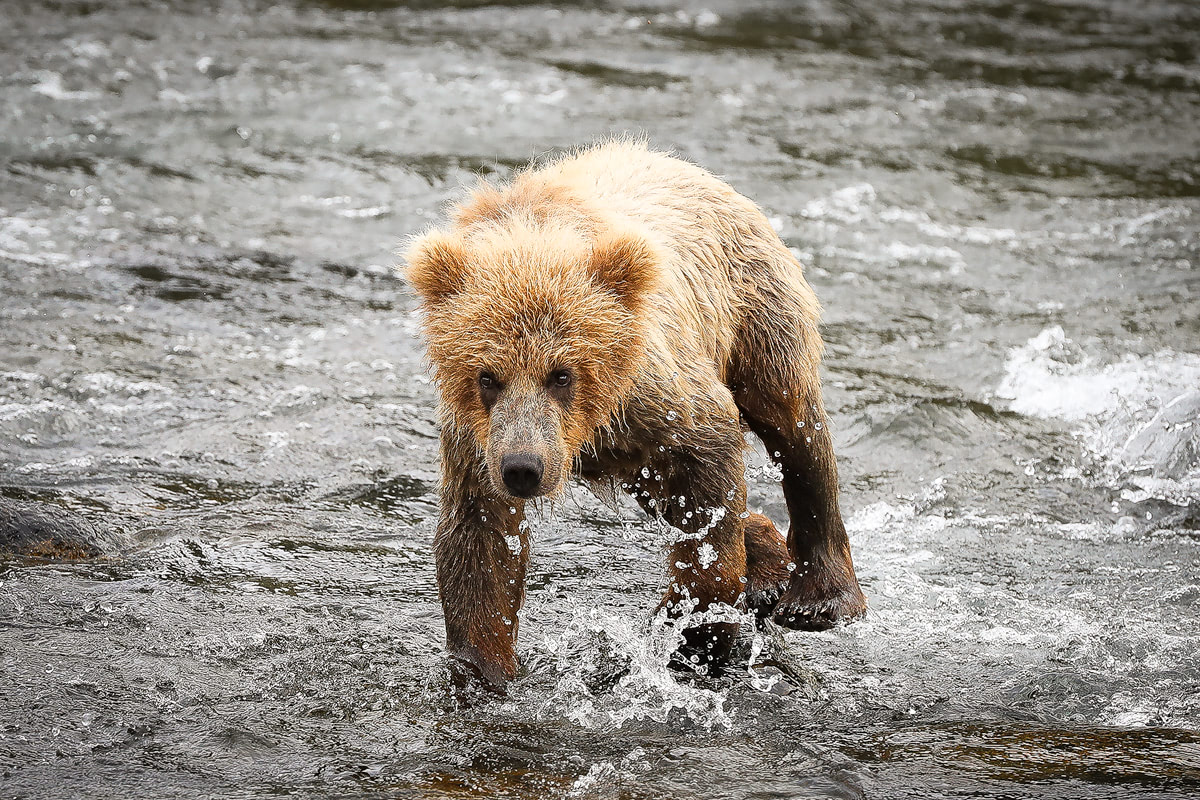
489,389
560,378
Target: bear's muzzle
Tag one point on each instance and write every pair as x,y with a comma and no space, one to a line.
522,473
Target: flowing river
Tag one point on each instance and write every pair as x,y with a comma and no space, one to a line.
207,361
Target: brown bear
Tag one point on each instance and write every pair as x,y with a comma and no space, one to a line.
619,314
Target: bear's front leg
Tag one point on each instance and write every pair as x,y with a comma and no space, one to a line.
481,549
699,489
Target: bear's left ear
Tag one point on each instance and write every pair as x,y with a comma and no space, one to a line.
437,266
627,265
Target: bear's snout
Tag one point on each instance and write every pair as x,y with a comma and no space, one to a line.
522,473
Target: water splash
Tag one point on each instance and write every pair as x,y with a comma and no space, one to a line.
610,670
1137,415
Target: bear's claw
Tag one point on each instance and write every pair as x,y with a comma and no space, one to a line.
804,607
764,601
472,677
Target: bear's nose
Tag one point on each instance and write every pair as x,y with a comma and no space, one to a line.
522,473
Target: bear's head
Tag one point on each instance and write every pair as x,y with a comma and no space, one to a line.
535,336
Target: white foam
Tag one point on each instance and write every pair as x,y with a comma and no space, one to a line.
1139,414
1050,377
50,84
16,411
88,49
102,384
925,254
877,515
849,204
968,234
23,377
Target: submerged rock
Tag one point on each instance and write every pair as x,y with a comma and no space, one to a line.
45,532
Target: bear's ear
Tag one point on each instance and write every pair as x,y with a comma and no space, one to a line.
627,265
437,266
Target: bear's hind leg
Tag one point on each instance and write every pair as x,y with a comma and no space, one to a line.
767,561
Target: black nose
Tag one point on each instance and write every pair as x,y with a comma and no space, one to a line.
522,473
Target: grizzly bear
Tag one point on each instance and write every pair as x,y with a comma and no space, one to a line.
619,314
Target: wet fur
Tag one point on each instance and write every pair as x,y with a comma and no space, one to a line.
683,316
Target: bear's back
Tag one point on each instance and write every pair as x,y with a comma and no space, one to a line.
650,187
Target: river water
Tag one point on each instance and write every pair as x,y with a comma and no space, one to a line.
205,354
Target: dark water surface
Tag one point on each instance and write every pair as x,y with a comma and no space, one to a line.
204,351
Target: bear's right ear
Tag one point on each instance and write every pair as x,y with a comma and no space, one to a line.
437,266
628,265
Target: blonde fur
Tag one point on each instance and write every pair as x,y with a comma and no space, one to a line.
676,310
